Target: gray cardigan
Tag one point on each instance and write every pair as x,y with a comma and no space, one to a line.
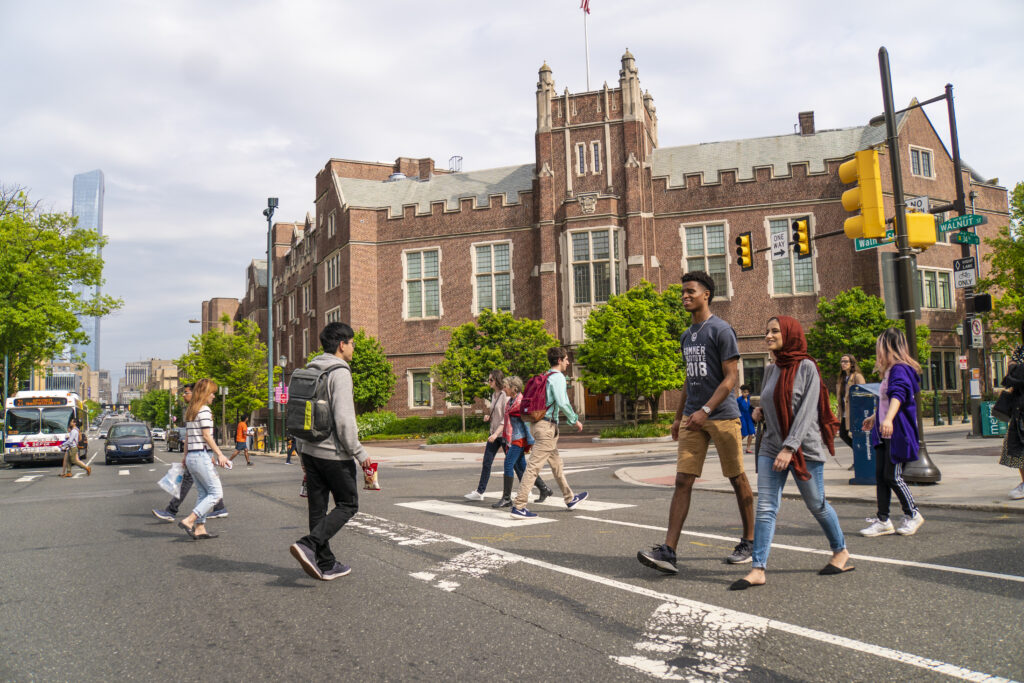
804,431
343,444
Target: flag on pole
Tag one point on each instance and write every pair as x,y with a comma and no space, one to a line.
585,6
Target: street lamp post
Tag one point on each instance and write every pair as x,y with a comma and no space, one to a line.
269,213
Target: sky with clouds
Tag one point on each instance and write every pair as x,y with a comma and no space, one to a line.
197,111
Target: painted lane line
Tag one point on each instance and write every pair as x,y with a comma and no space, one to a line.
94,455
816,551
713,644
484,515
409,531
582,469
556,502
123,473
473,563
27,478
158,458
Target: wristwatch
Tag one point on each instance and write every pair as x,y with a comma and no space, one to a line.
707,411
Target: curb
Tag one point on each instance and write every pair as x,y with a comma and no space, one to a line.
647,439
981,507
443,446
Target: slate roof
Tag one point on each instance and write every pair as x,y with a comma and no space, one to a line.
447,187
260,266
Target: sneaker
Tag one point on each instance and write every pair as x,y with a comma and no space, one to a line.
474,495
307,559
878,528
1017,493
577,499
660,557
910,524
516,513
741,553
163,515
337,571
215,514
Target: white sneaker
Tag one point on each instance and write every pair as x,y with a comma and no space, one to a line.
910,525
473,495
878,527
1018,492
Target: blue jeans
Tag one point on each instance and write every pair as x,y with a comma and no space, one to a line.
208,488
485,472
769,498
515,461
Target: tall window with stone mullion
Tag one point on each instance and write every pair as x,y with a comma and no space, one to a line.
790,275
493,277
423,284
705,250
595,266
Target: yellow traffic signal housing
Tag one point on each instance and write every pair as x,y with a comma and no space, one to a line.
801,238
745,251
863,169
920,229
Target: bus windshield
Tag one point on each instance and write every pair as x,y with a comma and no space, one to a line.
22,421
55,420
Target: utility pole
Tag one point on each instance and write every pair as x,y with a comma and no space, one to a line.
269,213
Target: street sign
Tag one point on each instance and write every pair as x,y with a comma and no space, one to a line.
865,243
917,204
779,244
964,237
963,362
958,222
977,339
964,274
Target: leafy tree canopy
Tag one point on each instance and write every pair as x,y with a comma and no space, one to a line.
1005,280
49,271
373,376
155,407
850,323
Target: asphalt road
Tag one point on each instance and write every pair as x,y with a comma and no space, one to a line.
94,588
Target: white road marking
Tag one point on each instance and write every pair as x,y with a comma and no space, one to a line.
94,456
158,458
152,469
474,514
816,551
473,563
556,502
27,478
582,469
389,528
123,473
78,475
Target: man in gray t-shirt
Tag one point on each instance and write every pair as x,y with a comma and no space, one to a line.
707,412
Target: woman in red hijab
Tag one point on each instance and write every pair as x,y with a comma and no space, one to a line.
799,432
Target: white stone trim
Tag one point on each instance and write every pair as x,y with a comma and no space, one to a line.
728,294
931,161
405,278
475,299
409,387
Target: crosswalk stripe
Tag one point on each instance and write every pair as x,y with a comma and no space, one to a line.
556,502
27,478
123,473
499,518
78,475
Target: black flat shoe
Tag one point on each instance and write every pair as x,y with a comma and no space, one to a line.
203,537
743,585
832,570
188,530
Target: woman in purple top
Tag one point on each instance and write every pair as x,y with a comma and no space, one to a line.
894,433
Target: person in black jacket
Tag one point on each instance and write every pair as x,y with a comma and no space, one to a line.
1013,443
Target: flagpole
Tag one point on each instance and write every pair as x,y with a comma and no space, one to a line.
586,43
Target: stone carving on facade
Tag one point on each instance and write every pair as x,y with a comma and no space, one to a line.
588,203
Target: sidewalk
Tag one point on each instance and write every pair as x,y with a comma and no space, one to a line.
972,477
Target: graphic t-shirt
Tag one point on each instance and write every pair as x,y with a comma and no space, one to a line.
705,347
204,420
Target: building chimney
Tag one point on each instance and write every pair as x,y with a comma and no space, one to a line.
806,122
426,169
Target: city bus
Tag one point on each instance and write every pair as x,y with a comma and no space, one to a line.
36,424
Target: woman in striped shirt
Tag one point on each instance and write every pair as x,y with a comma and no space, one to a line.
199,450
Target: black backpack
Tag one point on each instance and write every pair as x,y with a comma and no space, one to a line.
308,414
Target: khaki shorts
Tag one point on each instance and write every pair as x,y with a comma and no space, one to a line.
693,447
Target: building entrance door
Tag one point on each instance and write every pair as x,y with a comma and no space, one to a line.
599,406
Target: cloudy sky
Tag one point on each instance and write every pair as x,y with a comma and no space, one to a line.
197,111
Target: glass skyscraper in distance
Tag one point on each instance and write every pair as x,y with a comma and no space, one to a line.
87,206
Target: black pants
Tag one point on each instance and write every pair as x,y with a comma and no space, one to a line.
844,433
326,478
186,484
889,478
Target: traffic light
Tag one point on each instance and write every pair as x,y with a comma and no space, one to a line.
744,251
801,238
866,197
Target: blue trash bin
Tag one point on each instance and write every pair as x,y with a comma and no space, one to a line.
863,404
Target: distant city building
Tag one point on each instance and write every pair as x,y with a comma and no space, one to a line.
105,390
87,206
136,374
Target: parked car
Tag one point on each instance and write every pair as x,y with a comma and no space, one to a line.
158,434
176,439
128,441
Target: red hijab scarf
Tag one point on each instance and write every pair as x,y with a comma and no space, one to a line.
787,359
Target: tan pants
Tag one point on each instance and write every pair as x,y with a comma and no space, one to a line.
544,452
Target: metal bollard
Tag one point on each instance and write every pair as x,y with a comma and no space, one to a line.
949,408
937,417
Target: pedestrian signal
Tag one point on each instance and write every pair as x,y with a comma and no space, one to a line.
866,197
744,251
920,229
801,238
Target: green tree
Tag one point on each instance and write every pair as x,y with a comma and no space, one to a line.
373,375
237,361
455,377
93,409
154,407
49,271
851,323
1005,279
630,348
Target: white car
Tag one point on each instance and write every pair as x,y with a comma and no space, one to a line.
158,434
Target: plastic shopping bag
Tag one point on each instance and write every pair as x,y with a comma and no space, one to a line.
171,481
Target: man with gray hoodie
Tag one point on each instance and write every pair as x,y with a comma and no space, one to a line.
330,464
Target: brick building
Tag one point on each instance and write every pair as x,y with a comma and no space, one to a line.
405,249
